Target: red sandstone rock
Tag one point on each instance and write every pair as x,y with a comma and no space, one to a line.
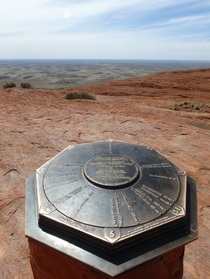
51,264
37,124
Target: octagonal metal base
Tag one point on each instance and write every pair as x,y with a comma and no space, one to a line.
111,205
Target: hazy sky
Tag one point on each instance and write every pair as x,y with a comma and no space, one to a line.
115,29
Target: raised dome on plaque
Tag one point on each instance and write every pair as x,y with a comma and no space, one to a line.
110,194
111,170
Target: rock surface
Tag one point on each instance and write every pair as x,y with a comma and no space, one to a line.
46,262
37,124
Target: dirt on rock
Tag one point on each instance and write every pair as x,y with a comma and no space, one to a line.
35,125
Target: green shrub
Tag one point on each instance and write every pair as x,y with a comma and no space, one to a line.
175,107
25,85
9,85
190,106
76,95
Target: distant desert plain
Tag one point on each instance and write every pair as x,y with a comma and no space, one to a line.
52,75
168,111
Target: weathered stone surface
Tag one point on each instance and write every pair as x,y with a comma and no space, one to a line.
37,124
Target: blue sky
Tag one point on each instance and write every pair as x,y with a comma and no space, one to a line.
105,29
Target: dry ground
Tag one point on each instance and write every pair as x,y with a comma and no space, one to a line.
37,124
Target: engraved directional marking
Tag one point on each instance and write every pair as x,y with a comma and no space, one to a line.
151,191
47,208
148,226
81,205
164,198
133,214
110,147
75,224
64,168
112,235
114,213
154,166
148,200
61,183
177,210
117,216
68,196
60,175
55,175
119,211
163,177
64,165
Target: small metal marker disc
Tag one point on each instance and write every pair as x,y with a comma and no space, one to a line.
111,171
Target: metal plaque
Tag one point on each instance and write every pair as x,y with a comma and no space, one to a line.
111,194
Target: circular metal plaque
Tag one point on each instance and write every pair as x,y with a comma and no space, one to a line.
111,171
111,190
